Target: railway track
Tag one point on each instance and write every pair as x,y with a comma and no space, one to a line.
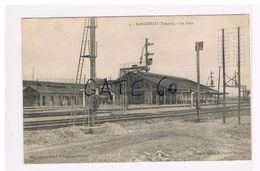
83,120
50,112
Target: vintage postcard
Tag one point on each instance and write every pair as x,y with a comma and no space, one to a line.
136,89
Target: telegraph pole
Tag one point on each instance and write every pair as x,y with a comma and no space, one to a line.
33,74
211,79
238,75
198,48
198,85
224,77
218,82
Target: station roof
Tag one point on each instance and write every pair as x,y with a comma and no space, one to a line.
181,83
49,87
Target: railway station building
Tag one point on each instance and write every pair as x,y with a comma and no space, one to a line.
131,88
151,88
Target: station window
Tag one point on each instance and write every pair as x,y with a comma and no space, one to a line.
43,100
52,100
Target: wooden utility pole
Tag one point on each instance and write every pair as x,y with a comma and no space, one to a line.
238,75
218,82
224,77
33,74
198,48
198,85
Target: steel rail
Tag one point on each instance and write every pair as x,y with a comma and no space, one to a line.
51,124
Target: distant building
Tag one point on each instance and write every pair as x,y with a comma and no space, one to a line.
246,95
40,93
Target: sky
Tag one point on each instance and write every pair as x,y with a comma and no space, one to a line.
52,45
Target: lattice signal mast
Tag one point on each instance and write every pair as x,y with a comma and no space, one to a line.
92,45
88,50
210,81
144,65
92,48
88,40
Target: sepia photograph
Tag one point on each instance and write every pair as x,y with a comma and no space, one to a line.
136,88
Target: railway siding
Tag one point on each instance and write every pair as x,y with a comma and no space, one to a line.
36,123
